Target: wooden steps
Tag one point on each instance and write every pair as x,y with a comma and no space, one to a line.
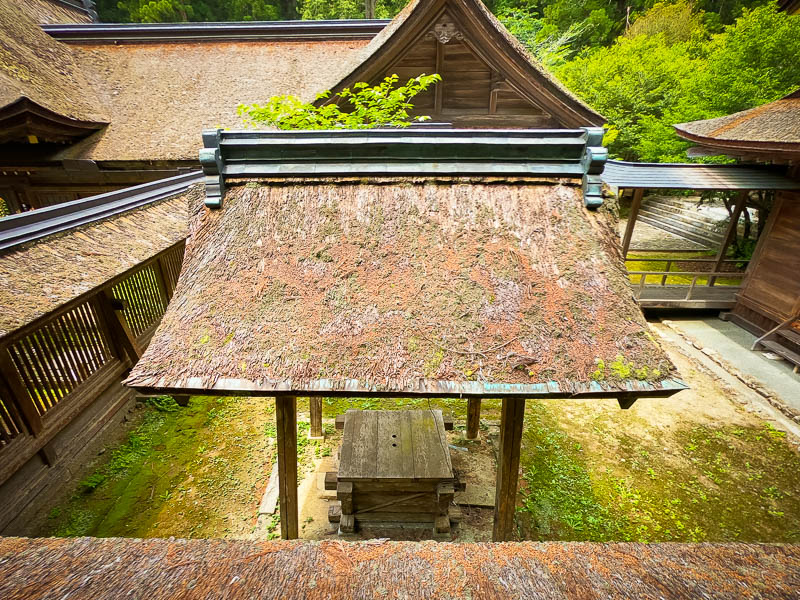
783,351
681,219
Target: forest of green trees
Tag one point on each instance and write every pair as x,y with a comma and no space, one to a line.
645,65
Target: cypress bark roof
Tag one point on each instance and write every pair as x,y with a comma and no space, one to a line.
39,75
39,277
161,95
34,569
401,286
772,127
53,11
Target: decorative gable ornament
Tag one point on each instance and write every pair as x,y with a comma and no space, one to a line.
444,32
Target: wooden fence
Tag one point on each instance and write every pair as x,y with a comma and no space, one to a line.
56,366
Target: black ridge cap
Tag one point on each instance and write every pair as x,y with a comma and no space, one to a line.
345,29
35,224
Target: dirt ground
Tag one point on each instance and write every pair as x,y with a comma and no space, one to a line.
706,464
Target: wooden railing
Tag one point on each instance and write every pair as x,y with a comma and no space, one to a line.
54,367
691,289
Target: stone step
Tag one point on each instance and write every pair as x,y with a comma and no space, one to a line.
680,232
683,217
709,238
688,211
781,350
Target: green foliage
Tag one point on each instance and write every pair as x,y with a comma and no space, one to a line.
382,105
163,403
4,212
549,46
173,11
347,9
670,73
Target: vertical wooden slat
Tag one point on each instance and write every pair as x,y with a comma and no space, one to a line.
286,421
95,333
27,378
59,364
19,394
438,89
75,346
164,279
45,364
65,345
82,344
85,331
473,417
41,386
511,419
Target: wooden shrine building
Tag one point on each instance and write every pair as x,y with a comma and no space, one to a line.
444,263
117,105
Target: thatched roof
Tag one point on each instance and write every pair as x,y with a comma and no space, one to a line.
56,11
39,75
38,278
35,569
495,42
771,128
429,286
161,95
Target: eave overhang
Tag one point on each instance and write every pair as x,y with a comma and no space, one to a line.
27,121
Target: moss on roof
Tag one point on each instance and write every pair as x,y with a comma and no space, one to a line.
396,283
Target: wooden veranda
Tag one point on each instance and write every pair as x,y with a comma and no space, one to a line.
698,283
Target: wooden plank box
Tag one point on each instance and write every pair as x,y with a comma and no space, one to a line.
395,468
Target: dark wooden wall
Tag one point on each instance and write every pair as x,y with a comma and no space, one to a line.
771,291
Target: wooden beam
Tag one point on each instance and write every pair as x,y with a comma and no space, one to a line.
286,421
120,333
315,415
181,399
511,420
473,418
638,194
741,202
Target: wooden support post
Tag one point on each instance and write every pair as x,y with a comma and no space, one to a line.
438,89
741,202
344,493
511,419
638,194
473,418
181,399
122,337
161,280
286,421
626,401
315,415
49,454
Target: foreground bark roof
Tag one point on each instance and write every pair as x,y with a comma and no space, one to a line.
41,276
93,569
42,89
773,128
437,286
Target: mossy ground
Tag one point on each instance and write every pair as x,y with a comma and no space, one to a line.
693,468
657,261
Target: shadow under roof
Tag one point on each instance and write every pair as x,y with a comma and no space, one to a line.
437,286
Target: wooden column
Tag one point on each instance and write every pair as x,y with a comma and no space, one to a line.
741,202
508,468
473,418
315,415
19,396
638,194
286,421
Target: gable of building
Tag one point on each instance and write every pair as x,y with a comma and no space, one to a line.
488,78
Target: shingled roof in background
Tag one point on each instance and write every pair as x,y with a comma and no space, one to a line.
60,11
42,90
772,129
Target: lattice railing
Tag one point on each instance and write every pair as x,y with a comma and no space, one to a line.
54,367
